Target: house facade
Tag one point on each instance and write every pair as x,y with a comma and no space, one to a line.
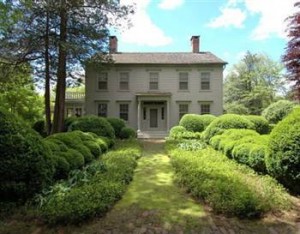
152,91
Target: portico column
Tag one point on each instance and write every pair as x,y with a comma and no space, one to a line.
168,115
139,116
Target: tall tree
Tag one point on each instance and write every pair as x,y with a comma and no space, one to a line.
75,31
291,58
253,83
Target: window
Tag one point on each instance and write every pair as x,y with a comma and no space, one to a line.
205,108
102,109
153,82
183,109
162,113
78,112
102,81
124,81
205,81
183,81
124,110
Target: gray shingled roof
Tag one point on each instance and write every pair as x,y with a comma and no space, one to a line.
167,58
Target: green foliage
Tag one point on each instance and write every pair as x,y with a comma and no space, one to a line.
192,123
92,191
127,133
117,125
277,111
283,161
39,126
252,84
26,166
236,108
224,122
94,147
226,186
244,146
97,125
74,158
261,125
68,122
196,123
62,167
192,145
179,132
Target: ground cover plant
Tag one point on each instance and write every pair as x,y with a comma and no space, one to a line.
103,181
228,187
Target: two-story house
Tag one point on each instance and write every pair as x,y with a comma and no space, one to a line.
152,91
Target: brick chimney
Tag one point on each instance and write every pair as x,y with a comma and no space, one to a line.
113,44
195,41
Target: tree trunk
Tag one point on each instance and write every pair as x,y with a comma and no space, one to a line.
58,121
47,77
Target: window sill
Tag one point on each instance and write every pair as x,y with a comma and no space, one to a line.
205,90
123,90
183,91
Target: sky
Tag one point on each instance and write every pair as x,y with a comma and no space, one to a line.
227,28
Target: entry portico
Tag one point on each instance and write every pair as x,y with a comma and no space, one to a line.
153,113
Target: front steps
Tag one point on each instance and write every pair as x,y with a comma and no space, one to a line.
152,134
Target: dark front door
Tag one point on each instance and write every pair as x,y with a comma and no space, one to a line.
153,118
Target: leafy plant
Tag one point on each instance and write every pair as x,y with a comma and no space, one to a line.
278,110
192,145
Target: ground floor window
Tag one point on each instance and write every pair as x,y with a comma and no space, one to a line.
78,111
124,111
183,109
102,109
204,108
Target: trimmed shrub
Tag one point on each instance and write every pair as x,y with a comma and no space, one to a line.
74,158
277,111
62,167
207,119
68,122
283,162
224,122
179,132
117,125
93,147
25,162
127,133
97,125
261,125
225,185
39,126
94,190
192,123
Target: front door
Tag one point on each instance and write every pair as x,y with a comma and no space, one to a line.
153,118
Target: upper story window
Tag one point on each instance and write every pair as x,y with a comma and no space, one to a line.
102,109
204,108
153,81
124,111
183,81
205,81
183,109
102,81
124,81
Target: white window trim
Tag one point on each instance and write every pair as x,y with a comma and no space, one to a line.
128,81
209,79
98,80
179,81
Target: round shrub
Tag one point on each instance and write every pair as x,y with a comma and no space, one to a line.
192,123
207,119
68,122
176,132
62,167
39,126
85,151
93,147
278,110
84,136
74,158
283,162
127,133
257,156
25,162
261,125
97,125
102,144
224,122
117,125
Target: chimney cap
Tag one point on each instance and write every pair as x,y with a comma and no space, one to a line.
195,37
113,37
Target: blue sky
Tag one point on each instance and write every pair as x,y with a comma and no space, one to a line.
228,28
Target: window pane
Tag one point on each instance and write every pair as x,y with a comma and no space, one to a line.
102,110
102,81
124,109
124,81
183,109
205,81
183,81
205,108
153,81
162,113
